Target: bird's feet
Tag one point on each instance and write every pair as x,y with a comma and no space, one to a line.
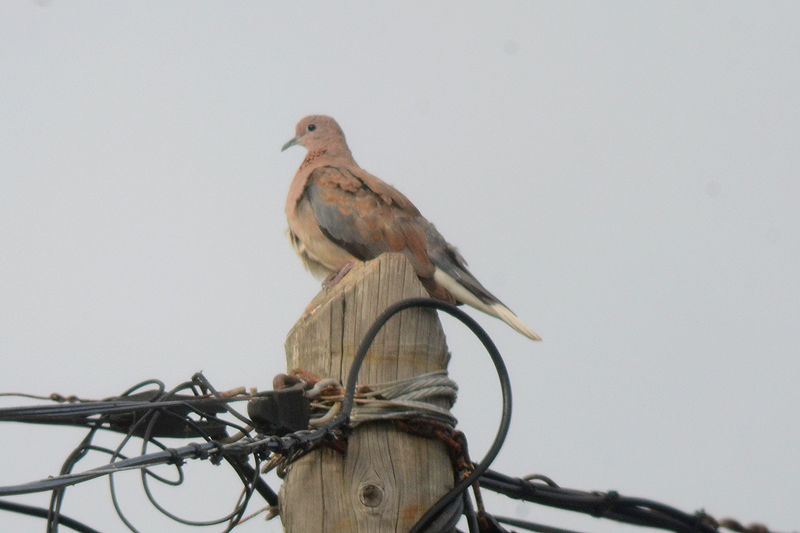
335,277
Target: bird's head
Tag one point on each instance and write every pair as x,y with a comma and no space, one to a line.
318,132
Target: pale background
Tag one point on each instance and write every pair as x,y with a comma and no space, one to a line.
625,176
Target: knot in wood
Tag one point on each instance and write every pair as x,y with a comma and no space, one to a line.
371,495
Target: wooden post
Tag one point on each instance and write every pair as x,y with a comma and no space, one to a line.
388,478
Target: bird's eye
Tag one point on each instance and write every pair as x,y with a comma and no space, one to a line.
312,127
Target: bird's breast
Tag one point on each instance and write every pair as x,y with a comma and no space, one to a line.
320,255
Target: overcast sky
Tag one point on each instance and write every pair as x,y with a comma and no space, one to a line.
625,176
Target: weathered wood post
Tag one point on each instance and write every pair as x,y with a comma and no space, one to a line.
388,478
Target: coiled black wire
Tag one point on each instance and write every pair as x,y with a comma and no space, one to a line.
502,373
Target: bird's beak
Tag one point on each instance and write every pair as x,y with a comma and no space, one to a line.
290,143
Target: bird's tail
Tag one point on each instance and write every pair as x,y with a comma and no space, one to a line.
492,307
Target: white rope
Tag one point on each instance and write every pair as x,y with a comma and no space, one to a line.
400,400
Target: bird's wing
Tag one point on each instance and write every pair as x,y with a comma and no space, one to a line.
367,217
446,258
451,273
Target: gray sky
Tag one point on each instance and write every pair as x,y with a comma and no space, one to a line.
625,176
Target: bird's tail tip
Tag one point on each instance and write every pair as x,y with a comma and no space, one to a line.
460,292
506,315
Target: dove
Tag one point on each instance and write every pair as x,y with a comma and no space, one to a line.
339,214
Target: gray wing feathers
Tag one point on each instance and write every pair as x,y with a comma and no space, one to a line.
446,257
341,228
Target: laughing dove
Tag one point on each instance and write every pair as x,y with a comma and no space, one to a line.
339,214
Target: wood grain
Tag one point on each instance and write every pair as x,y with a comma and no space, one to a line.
388,478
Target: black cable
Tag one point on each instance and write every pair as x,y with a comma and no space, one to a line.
429,303
86,413
148,437
79,414
469,512
160,388
200,378
250,477
150,416
41,512
531,526
502,373
301,439
209,450
290,442
57,496
244,470
636,511
505,388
